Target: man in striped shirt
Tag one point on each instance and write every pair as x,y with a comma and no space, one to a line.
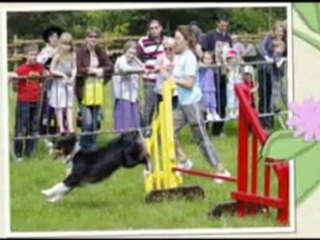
149,48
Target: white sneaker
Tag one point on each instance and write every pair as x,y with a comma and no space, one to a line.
19,159
224,173
187,164
232,116
222,135
210,117
216,117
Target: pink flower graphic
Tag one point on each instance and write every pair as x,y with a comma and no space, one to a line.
306,119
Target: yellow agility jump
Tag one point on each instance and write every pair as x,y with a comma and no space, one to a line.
163,181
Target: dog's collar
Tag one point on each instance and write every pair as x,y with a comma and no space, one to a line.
76,149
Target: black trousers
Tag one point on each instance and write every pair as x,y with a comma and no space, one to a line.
265,92
221,96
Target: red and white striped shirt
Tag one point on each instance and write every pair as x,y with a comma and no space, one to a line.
149,49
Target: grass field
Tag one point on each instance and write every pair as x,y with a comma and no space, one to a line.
118,204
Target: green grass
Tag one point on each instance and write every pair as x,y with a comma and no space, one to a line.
118,203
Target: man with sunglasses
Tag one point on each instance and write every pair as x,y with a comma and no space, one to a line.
164,67
150,47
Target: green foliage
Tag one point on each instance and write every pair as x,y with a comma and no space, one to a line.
134,22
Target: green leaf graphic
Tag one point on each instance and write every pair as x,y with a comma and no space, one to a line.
309,13
308,39
282,145
307,172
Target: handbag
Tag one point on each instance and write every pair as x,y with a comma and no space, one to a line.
93,92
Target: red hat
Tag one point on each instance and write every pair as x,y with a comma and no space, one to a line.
232,53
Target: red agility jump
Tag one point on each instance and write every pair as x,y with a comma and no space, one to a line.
247,198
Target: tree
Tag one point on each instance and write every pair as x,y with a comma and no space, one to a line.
134,22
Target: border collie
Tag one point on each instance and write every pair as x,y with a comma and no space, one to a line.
128,150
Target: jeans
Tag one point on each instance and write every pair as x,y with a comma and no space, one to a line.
90,123
26,125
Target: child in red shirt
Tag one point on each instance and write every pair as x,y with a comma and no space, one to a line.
28,94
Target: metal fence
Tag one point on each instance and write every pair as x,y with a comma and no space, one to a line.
270,97
38,120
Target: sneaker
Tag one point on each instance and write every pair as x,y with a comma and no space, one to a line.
210,117
224,173
229,116
19,159
187,164
232,116
221,135
216,117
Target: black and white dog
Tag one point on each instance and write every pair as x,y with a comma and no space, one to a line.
128,150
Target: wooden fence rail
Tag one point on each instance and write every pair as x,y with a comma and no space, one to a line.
15,46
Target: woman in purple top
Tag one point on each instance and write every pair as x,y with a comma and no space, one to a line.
208,88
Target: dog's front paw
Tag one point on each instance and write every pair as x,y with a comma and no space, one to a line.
47,192
55,199
146,173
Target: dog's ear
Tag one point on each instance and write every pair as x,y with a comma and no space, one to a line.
65,145
128,138
72,137
134,151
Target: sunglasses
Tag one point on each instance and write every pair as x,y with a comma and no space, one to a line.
153,28
168,49
93,36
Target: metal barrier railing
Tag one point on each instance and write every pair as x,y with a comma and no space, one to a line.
266,97
265,73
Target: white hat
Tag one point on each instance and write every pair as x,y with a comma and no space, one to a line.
248,69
